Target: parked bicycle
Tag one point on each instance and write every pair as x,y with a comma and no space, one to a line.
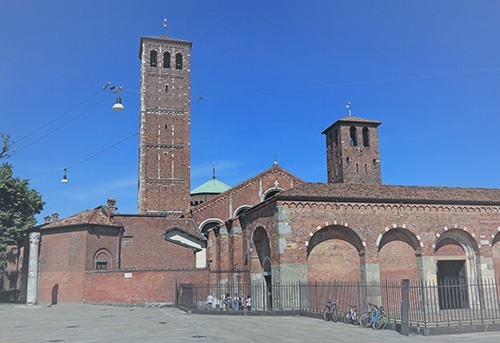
375,317
331,312
351,316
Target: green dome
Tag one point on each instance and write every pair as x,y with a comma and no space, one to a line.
212,186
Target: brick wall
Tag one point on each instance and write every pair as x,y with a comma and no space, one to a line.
138,287
391,235
143,245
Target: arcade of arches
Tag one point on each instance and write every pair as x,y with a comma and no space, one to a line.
377,250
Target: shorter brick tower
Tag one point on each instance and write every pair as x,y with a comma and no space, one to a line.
352,151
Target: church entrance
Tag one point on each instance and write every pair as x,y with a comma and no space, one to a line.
452,285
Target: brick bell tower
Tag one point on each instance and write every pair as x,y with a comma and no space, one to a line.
352,151
164,135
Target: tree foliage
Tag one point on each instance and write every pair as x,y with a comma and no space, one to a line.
18,206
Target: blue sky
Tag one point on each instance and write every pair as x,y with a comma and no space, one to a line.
272,76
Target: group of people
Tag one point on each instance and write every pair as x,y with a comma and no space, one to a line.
237,303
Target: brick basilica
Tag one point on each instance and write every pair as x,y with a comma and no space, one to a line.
272,228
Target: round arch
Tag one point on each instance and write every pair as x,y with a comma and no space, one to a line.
103,259
271,192
209,224
495,249
496,237
241,209
336,232
462,237
403,235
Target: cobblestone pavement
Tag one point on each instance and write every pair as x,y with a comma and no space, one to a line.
91,323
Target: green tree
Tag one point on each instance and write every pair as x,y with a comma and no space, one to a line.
18,206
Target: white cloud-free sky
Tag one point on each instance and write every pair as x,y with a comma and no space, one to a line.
272,75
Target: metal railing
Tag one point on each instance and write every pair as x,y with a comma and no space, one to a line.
451,302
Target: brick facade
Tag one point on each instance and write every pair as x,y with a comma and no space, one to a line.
273,227
360,240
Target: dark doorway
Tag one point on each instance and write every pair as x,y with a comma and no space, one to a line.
452,285
55,293
269,289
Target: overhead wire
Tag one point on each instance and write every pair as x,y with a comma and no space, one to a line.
58,117
61,126
104,150
199,98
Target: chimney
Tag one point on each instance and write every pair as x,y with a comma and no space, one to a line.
46,220
55,217
111,207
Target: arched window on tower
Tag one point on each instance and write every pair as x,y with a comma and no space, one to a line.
178,61
366,137
166,60
353,141
153,58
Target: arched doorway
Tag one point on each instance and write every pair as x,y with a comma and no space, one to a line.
263,248
457,262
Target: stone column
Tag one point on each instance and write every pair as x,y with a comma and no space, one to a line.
32,287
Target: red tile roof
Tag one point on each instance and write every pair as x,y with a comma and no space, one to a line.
385,193
96,216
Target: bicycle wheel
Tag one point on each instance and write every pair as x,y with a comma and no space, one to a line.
347,317
355,319
365,319
326,315
335,316
381,322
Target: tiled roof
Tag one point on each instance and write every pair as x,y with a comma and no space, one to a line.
96,216
385,193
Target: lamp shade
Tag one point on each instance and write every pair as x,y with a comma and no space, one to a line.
118,106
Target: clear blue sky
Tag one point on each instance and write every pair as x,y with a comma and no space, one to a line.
272,74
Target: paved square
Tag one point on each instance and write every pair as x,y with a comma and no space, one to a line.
91,323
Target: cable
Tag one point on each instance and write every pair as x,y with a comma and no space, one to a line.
60,116
61,126
102,151
346,84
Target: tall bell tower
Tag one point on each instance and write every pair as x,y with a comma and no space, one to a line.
352,151
164,135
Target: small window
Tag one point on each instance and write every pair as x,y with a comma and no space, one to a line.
366,137
153,58
166,60
357,168
101,265
178,61
353,141
166,88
